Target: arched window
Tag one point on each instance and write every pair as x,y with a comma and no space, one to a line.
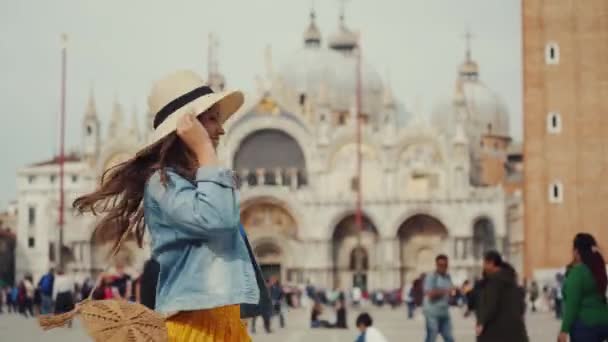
554,123
270,156
556,192
552,53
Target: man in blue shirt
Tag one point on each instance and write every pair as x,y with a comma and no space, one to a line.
437,290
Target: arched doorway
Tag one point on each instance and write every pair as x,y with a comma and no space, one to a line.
269,256
352,253
421,238
270,157
484,237
272,230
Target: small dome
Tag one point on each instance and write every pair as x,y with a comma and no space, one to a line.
344,39
312,35
469,70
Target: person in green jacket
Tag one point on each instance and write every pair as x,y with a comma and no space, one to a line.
500,312
585,316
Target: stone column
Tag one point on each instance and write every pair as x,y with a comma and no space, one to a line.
260,176
244,174
293,177
278,176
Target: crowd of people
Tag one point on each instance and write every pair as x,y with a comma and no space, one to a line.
497,300
57,292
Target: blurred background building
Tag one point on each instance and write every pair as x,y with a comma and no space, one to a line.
448,181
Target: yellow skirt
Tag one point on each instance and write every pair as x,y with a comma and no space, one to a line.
212,325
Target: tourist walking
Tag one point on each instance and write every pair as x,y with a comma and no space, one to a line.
63,293
45,286
437,290
534,293
277,296
27,294
175,187
585,316
500,306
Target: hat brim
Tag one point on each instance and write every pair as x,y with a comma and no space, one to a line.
228,103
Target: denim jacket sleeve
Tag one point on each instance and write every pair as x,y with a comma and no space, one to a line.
200,209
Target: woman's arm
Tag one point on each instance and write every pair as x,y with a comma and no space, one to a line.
573,290
199,210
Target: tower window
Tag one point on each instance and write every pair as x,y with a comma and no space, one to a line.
74,178
552,53
554,123
52,178
31,216
89,130
302,99
51,251
31,242
556,193
31,179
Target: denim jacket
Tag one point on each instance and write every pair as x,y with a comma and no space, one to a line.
204,255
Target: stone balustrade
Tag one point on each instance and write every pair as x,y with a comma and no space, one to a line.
281,177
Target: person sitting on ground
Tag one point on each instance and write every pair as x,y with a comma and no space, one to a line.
368,333
315,321
341,315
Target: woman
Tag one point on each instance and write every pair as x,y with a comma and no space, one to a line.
176,188
63,293
315,313
585,312
500,306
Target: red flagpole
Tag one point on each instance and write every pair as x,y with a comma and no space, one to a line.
64,39
358,212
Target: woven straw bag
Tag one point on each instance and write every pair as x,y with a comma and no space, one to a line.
113,320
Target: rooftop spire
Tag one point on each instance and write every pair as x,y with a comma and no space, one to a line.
469,70
91,110
344,39
468,36
135,123
312,35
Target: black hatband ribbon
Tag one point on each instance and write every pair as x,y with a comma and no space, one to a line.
179,102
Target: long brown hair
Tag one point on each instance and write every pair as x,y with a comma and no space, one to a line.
118,199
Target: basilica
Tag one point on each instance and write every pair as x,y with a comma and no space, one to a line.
445,183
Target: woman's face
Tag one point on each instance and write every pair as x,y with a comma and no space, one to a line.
211,121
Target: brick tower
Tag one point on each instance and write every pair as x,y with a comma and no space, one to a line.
565,55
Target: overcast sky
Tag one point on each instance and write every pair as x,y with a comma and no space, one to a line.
120,47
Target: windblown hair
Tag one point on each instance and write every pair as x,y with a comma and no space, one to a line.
118,199
587,248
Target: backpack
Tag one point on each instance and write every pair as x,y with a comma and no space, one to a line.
46,284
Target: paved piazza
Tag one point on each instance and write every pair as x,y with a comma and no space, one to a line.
541,327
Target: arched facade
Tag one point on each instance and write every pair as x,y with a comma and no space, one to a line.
421,238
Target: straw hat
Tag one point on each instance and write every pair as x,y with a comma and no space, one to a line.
184,92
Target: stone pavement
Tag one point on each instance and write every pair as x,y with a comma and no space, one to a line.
393,323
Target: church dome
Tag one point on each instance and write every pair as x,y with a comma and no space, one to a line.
308,69
313,67
482,109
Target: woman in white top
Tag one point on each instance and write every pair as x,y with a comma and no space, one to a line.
63,292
